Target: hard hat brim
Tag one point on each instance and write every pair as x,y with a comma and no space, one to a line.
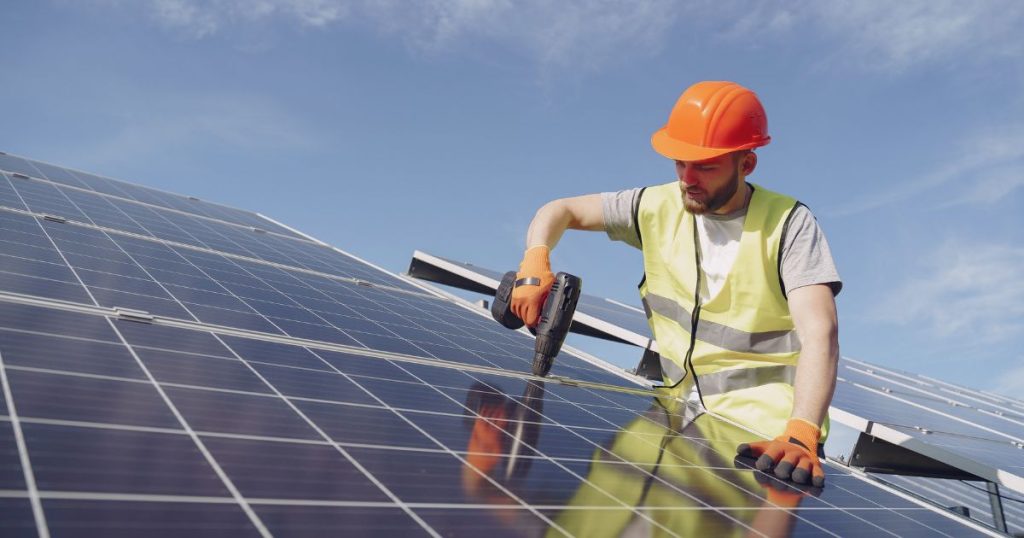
682,151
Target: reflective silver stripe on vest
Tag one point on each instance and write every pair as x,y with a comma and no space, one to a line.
745,378
721,335
671,371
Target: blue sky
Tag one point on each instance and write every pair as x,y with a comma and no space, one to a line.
383,127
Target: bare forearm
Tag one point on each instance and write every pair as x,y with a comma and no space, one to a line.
815,380
814,314
554,218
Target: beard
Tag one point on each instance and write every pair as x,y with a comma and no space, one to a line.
714,200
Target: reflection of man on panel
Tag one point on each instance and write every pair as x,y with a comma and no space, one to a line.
739,281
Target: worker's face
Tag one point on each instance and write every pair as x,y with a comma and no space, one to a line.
708,185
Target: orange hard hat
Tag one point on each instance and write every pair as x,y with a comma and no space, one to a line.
712,118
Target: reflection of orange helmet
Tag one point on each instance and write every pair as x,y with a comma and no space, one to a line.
710,119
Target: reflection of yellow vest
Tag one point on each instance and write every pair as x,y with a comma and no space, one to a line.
745,347
678,467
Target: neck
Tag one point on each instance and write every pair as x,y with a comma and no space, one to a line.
738,200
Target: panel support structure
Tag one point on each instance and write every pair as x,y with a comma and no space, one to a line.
998,518
876,455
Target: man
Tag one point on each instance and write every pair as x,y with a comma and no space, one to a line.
738,284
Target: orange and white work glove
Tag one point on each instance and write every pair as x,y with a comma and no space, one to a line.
533,282
793,455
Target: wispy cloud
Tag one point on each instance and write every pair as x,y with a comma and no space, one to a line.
586,33
158,124
199,19
875,35
993,161
885,36
963,290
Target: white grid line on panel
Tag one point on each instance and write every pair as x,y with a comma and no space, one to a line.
195,439
586,357
207,250
349,334
202,447
542,456
500,487
314,344
384,489
940,413
924,503
940,399
87,190
181,419
23,456
641,471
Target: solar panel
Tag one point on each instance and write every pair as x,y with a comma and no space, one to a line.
155,386
979,434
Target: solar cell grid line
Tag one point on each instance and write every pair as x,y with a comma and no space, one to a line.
8,196
698,440
31,263
123,234
15,164
991,422
168,399
462,459
977,400
556,462
148,274
92,182
176,205
926,383
341,450
229,237
474,375
881,407
265,284
23,456
655,443
57,174
195,438
950,419
950,493
143,269
572,361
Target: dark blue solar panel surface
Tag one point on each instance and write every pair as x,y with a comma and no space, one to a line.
149,429
410,439
80,206
83,180
968,420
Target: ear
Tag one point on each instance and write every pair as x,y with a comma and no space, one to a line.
748,163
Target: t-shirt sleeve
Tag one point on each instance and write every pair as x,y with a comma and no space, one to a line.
806,257
620,215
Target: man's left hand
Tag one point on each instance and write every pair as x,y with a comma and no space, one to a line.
793,455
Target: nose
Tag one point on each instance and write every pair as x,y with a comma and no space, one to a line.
686,174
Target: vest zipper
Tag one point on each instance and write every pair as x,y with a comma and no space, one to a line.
695,315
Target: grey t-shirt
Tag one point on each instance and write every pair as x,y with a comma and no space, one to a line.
806,258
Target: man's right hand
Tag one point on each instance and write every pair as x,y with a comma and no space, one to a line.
533,282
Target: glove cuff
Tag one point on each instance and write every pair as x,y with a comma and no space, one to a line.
536,260
803,431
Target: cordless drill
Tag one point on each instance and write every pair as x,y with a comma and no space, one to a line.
555,316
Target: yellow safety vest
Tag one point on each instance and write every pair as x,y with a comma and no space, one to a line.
741,347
